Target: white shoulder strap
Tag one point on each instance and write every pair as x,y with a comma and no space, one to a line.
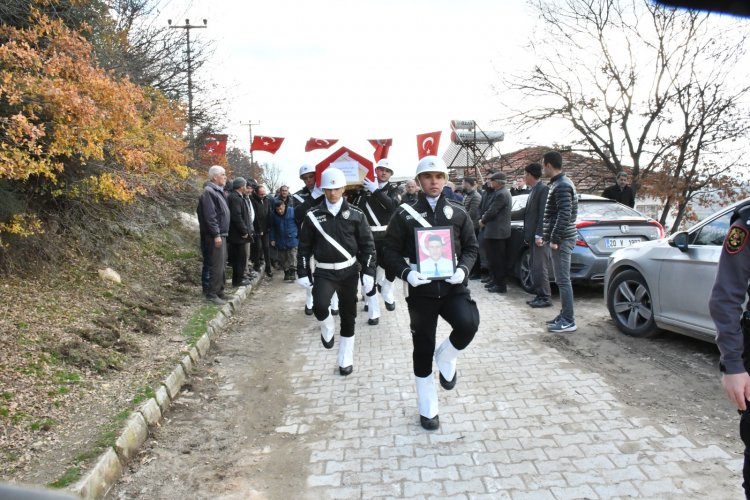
375,220
299,198
416,215
335,244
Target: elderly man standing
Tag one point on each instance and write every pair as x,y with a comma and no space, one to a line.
495,223
240,231
213,218
410,194
472,202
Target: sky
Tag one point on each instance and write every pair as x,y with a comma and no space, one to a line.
355,70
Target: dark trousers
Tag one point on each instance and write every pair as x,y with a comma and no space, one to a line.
238,261
218,262
745,435
206,244
497,254
261,247
389,275
540,264
346,288
478,266
458,309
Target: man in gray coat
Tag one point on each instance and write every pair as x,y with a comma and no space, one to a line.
533,231
472,202
495,224
213,218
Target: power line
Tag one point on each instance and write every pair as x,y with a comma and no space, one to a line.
187,27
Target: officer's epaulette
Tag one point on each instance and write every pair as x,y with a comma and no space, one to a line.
742,212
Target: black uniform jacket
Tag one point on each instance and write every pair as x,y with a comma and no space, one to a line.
400,242
383,202
349,228
302,203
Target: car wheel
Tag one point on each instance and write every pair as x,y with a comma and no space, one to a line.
630,305
524,271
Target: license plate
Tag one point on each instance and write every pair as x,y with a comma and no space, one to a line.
620,242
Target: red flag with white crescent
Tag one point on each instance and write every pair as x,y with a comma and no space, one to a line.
427,144
266,143
215,144
314,143
381,147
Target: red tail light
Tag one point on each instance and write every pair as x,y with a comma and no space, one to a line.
659,227
585,223
580,242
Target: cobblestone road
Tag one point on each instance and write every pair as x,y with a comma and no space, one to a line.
521,423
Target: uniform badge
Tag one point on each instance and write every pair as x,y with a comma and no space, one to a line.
448,211
345,214
736,240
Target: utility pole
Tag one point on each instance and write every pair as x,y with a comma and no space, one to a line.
252,163
187,27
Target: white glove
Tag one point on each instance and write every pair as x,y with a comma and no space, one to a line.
415,279
457,278
368,282
316,193
371,186
304,282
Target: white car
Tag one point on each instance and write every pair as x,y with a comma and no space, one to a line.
666,283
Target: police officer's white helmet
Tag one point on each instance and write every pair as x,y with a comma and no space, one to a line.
431,164
332,178
384,163
306,169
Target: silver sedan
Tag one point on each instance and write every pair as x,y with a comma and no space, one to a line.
666,283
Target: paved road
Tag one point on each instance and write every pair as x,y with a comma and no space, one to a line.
269,417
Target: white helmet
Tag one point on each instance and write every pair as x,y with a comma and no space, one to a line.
332,178
384,163
306,169
432,164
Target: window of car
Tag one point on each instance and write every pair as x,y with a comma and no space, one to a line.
605,210
714,232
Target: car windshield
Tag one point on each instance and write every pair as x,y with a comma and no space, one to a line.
605,210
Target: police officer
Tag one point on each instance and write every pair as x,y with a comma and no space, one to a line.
429,299
378,200
302,201
732,325
337,236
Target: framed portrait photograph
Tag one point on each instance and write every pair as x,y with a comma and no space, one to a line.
436,257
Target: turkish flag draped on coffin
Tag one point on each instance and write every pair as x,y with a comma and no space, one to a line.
313,144
265,143
427,144
215,144
381,148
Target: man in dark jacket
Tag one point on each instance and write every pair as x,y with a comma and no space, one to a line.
282,233
410,192
240,232
213,218
533,230
495,225
560,232
484,262
337,235
620,191
472,202
304,200
260,249
429,299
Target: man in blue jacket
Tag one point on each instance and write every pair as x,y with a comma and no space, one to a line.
213,219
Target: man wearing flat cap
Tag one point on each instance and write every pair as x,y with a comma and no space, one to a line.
240,231
495,225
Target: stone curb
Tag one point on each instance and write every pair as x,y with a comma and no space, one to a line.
110,464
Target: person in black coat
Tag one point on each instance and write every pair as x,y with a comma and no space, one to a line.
213,219
495,227
620,191
261,247
240,232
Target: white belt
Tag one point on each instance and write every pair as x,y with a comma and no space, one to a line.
336,265
378,228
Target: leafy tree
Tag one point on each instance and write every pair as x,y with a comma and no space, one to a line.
647,88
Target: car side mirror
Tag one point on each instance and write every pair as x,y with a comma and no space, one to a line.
680,241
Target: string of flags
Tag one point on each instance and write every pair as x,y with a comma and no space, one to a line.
216,144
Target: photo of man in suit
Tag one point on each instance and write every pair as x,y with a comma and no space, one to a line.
436,265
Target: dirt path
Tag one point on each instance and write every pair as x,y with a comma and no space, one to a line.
218,440
672,377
